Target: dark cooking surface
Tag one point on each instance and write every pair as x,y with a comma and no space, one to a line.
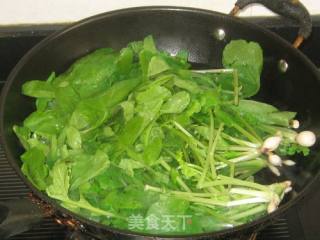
299,223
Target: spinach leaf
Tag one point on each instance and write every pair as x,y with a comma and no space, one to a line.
59,189
90,74
168,206
251,106
116,93
42,104
152,151
247,59
149,44
112,178
114,200
154,93
60,182
88,115
190,86
149,103
125,60
66,99
131,131
157,65
85,167
129,165
23,134
35,168
177,103
128,110
92,112
44,122
281,118
38,89
73,138
264,113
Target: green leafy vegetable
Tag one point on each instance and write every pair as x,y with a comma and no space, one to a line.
86,167
35,167
137,140
91,74
177,103
38,89
247,58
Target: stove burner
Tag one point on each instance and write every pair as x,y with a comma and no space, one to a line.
78,235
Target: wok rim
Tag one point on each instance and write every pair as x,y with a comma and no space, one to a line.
38,47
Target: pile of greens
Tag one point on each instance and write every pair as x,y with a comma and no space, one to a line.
125,137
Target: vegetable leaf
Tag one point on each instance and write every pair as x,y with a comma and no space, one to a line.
247,58
87,167
38,89
35,168
177,103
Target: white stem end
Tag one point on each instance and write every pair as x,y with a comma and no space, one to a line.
274,170
275,160
306,138
271,144
295,124
289,163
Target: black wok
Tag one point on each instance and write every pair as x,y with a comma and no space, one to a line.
173,28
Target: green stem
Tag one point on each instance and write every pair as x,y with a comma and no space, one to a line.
240,141
236,86
246,201
160,81
204,201
210,161
165,165
232,172
90,208
211,133
287,133
196,152
242,158
228,92
224,180
212,152
247,126
186,155
246,134
186,194
250,212
236,148
236,181
212,212
246,157
245,191
213,190
218,70
230,164
197,155
199,198
183,184
234,73
195,167
189,135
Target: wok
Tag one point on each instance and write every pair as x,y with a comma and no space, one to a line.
296,88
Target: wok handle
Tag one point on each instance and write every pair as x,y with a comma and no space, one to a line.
17,216
292,9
